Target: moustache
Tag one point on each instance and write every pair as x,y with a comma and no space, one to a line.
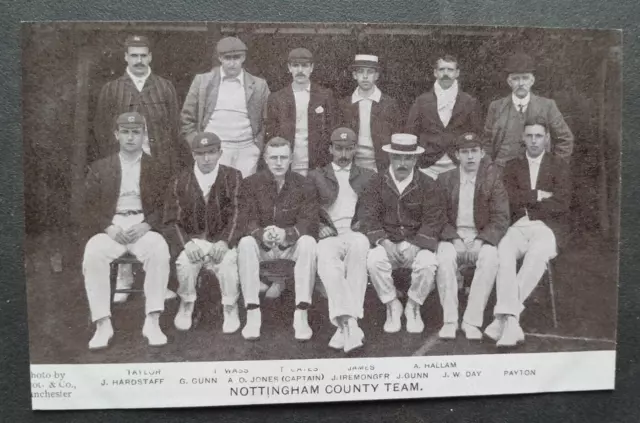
403,168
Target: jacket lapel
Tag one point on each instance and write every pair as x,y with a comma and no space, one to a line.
455,192
431,109
113,183
544,174
389,181
211,96
249,87
458,107
315,100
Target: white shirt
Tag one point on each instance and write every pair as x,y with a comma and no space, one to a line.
401,185
300,161
230,118
524,102
342,210
465,218
446,99
364,110
129,197
139,81
206,180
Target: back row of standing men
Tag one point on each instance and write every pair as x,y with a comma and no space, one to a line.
223,115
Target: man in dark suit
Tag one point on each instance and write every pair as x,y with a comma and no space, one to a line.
539,188
505,119
202,221
304,113
477,219
373,115
342,249
231,103
439,116
281,212
123,214
404,212
140,90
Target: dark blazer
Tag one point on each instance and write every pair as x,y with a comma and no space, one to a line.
157,102
322,117
490,203
326,184
202,98
187,215
553,176
417,215
386,120
433,136
504,126
294,208
102,189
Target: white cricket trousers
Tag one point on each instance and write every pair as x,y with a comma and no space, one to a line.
423,265
226,271
243,156
481,286
537,244
342,267
303,253
151,249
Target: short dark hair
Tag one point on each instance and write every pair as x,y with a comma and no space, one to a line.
537,120
445,58
277,142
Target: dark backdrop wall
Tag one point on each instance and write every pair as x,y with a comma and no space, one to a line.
65,66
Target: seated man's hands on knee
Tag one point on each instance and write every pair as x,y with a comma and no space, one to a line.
116,233
193,252
136,232
218,250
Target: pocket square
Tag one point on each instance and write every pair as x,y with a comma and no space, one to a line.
319,109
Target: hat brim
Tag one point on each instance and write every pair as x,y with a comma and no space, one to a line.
371,65
387,148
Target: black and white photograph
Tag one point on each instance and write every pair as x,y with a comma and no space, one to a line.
252,213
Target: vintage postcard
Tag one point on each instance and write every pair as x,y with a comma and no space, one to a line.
224,213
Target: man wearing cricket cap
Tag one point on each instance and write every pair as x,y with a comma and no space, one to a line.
477,219
373,115
404,212
123,212
342,249
309,128
281,212
201,218
229,102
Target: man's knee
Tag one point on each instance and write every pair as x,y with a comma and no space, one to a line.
488,256
307,243
377,258
447,254
95,246
247,244
159,247
425,260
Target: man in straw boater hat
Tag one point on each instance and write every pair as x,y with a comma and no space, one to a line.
304,112
439,116
202,218
281,211
506,116
477,219
231,103
124,198
373,115
404,212
342,249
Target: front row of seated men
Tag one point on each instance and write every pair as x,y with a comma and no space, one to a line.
347,222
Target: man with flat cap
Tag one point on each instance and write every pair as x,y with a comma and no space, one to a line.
201,220
477,219
231,103
505,119
304,113
342,249
373,115
154,97
123,212
281,212
404,212
439,116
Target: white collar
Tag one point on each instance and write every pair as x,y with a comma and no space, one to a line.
467,177
139,78
375,96
137,159
307,88
337,168
537,160
452,90
240,76
517,101
406,180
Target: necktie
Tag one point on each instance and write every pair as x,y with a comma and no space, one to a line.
521,109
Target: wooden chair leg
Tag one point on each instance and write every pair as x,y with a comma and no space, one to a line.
552,294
